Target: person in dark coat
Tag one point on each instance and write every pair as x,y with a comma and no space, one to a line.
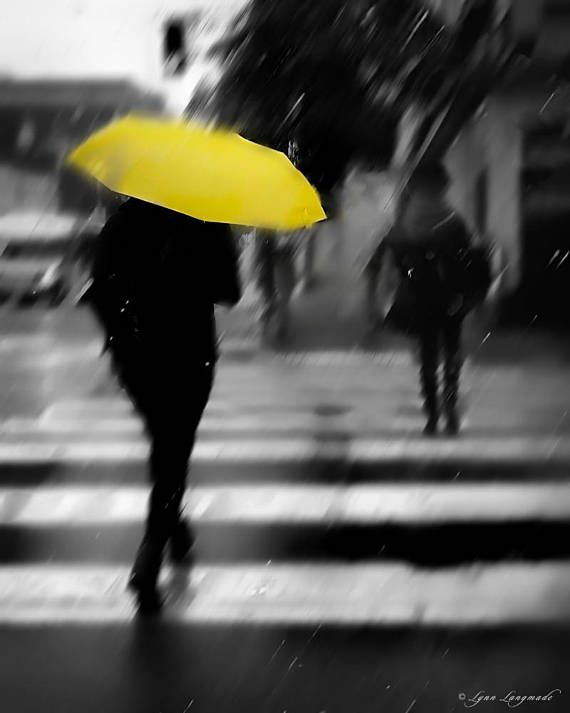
156,278
426,246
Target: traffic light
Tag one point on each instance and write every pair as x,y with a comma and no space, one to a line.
174,47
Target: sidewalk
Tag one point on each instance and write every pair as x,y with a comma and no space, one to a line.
330,319
317,326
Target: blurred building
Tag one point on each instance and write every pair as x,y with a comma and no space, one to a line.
158,45
69,66
511,164
41,119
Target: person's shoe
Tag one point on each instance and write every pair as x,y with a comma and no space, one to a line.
430,429
266,315
452,425
267,321
453,421
282,329
144,577
432,412
181,542
149,601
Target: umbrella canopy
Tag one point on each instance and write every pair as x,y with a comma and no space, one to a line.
212,175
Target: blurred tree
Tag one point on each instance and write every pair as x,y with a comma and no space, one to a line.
337,74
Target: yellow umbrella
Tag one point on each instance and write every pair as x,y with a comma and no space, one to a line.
212,175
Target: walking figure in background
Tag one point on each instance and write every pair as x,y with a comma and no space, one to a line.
380,281
156,278
275,257
442,277
304,241
281,259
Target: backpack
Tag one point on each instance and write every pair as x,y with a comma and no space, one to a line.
468,274
474,274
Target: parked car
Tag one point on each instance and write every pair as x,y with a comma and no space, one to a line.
40,256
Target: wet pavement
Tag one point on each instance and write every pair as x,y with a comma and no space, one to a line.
175,669
343,563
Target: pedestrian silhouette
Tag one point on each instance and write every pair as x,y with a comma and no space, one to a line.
442,277
156,278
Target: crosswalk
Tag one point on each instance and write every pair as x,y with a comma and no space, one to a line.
309,594
304,516
328,505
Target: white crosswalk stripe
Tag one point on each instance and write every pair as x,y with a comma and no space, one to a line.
260,423
515,451
293,503
106,432
512,451
311,593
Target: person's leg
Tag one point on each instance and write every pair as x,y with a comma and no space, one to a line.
133,371
452,372
285,283
307,280
173,440
429,356
265,263
137,378
371,275
172,407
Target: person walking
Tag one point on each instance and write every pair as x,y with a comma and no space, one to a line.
440,282
275,255
156,277
380,279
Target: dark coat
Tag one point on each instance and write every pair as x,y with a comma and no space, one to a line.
431,270
156,277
